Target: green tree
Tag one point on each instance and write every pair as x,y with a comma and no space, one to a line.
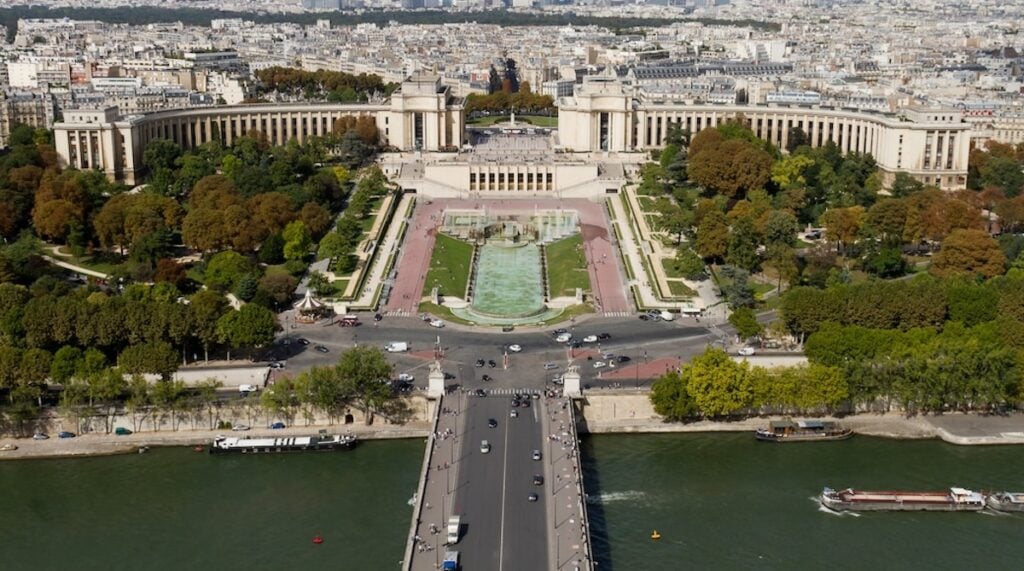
743,241
364,372
719,386
157,358
205,309
745,322
297,240
689,264
252,326
225,269
670,397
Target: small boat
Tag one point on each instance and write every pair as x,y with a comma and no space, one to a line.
1006,501
655,535
8,448
802,431
317,540
955,500
322,442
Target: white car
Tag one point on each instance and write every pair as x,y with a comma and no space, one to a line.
240,427
747,351
436,323
600,364
515,348
406,377
564,338
245,389
590,339
513,413
485,447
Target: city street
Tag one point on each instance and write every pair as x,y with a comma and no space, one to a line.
640,341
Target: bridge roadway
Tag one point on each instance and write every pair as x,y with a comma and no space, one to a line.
501,528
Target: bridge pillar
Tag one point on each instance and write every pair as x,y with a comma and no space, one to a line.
571,387
435,381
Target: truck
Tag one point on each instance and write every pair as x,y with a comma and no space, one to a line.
666,315
451,561
396,347
454,527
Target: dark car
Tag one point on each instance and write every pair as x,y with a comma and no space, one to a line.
122,431
480,393
644,317
277,425
507,329
558,332
532,497
276,365
322,349
538,480
480,363
492,423
302,341
492,364
487,378
525,403
65,434
604,336
623,359
377,317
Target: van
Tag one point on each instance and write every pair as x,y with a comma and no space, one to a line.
396,347
246,389
666,315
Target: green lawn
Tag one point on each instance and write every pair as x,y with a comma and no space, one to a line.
679,289
538,120
670,268
449,266
337,289
646,202
567,266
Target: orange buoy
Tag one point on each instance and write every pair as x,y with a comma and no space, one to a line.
317,539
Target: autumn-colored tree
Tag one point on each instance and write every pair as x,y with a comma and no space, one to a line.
731,167
1011,214
316,218
886,219
713,236
271,212
969,253
842,225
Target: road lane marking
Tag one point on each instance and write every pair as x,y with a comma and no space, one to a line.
504,499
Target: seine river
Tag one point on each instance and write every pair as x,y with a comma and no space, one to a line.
725,501
720,501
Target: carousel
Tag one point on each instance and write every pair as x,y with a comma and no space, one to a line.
311,309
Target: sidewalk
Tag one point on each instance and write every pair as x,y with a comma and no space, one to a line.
631,246
567,518
435,507
386,251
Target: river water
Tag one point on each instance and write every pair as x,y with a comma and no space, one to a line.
177,509
720,501
725,501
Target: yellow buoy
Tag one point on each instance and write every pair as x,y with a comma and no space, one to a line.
655,535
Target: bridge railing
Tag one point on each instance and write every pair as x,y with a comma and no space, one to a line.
421,488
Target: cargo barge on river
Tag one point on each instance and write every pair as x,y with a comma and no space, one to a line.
1006,501
320,443
802,431
955,500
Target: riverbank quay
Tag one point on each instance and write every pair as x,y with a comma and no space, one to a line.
624,411
111,444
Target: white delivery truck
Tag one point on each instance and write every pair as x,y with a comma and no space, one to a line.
454,526
396,347
666,315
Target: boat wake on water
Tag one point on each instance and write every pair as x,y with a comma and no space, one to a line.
412,500
606,497
825,509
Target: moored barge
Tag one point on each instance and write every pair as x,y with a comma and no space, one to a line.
802,431
245,445
1006,501
955,500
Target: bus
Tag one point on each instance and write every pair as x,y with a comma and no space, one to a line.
348,321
